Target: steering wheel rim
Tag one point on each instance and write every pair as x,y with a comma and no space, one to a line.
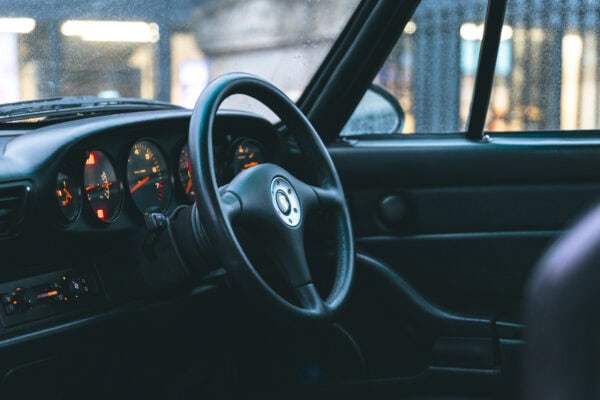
245,198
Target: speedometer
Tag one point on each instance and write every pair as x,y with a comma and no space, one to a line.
148,177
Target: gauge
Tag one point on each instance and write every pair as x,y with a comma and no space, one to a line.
247,153
148,177
102,188
185,173
68,194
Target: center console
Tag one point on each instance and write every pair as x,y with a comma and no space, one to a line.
47,295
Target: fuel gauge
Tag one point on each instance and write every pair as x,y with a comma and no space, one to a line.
68,195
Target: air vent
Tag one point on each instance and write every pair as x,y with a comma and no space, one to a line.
13,206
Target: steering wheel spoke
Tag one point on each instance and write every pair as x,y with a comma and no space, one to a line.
319,197
310,299
329,198
231,206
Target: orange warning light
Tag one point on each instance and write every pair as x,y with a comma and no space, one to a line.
100,213
91,160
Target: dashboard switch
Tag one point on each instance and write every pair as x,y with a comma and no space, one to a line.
50,294
75,286
6,298
29,297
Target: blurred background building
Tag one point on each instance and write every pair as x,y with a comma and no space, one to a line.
546,77
163,49
547,73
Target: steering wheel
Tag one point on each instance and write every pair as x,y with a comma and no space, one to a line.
273,203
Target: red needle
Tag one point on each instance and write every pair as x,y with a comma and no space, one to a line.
139,184
188,188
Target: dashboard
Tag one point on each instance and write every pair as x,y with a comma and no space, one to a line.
125,173
74,200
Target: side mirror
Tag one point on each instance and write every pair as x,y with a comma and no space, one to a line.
378,112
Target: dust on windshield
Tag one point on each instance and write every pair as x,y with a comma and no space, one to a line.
161,49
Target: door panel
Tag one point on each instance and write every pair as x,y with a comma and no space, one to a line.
447,233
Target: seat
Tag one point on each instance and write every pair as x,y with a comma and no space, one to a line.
562,312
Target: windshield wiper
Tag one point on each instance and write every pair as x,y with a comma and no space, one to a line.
76,106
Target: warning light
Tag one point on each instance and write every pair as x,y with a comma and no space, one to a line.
100,213
91,160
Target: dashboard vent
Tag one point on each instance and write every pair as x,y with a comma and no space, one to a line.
13,206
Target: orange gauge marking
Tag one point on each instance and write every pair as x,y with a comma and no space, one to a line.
250,165
140,183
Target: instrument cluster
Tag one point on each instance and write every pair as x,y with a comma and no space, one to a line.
146,177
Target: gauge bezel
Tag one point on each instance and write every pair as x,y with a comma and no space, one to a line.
77,184
160,152
119,182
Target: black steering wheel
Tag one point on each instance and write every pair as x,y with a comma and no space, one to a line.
273,202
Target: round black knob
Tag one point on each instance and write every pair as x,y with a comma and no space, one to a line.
392,210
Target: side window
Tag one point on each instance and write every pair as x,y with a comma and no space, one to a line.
430,72
548,73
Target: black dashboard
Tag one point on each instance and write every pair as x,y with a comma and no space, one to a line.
89,287
73,201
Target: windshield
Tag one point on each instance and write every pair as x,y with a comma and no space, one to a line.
160,49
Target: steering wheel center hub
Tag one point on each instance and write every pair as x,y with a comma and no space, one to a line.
285,201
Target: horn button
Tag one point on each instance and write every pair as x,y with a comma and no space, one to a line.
285,201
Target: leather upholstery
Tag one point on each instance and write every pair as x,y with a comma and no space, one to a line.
562,355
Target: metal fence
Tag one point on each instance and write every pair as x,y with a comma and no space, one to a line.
547,77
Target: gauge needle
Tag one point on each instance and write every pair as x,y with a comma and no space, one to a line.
140,183
188,187
250,164
68,194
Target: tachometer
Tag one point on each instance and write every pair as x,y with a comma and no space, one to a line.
185,173
102,188
247,153
148,177
68,194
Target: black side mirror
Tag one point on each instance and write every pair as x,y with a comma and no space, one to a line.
378,112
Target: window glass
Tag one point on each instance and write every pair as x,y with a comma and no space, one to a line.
431,70
547,77
161,49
